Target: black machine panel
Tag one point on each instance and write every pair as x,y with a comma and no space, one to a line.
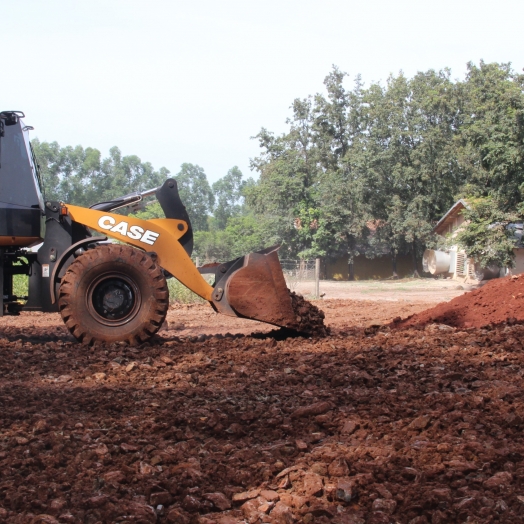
21,202
19,221
172,206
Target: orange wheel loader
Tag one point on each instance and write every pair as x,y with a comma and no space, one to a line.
108,292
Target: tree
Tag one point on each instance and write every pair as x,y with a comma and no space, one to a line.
228,196
80,176
242,235
491,139
49,159
67,172
489,236
341,190
409,159
196,195
333,123
302,173
491,152
361,170
212,246
287,175
120,175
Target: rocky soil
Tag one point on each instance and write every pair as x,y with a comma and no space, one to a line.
500,300
309,318
226,421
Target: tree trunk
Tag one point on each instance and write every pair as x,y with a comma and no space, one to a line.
414,255
351,270
350,250
394,264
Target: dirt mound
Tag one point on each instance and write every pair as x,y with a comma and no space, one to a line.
310,319
500,300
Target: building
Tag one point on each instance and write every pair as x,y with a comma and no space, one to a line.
454,263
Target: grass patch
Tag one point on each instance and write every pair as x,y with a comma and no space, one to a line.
181,294
20,285
177,291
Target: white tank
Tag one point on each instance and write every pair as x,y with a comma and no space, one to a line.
437,262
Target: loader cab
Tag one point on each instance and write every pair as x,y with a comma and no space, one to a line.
21,201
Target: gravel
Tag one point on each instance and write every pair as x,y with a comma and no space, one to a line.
365,425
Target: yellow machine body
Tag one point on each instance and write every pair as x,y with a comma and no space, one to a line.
110,294
159,235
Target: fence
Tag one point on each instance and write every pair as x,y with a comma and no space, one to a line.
296,271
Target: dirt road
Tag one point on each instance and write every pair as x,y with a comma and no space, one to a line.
406,290
368,425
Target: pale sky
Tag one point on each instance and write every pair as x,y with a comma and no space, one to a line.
177,81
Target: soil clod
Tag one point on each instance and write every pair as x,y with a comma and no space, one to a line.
309,318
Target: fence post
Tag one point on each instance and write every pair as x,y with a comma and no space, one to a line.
317,277
197,261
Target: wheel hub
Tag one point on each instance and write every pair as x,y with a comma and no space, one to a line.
114,299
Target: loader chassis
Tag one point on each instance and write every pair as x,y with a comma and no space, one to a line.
111,292
21,201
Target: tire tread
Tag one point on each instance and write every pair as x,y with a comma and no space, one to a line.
127,255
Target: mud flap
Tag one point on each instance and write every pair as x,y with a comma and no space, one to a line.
254,287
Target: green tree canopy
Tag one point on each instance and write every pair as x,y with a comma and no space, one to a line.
366,169
228,196
196,195
82,177
489,236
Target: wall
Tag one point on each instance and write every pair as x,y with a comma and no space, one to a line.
370,268
453,227
519,262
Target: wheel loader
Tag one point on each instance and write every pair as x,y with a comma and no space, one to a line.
109,292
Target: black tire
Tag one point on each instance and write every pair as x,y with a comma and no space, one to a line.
113,293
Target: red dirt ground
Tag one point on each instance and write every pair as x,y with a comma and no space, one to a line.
226,421
500,300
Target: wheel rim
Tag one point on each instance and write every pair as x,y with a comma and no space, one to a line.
113,299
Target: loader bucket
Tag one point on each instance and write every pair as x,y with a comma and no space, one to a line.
254,287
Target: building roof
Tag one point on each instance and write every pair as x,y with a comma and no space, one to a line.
448,218
442,226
